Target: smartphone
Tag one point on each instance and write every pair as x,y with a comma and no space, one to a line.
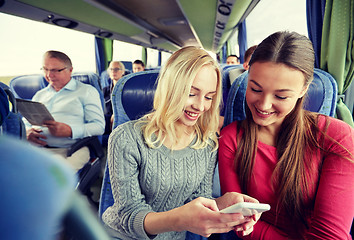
247,208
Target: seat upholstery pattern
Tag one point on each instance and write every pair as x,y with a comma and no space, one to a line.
226,83
321,96
133,95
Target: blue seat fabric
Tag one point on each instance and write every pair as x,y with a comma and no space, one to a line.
13,124
225,71
132,97
4,106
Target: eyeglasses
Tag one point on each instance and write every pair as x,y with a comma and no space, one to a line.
114,69
53,70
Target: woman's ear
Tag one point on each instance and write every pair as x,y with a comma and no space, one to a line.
304,90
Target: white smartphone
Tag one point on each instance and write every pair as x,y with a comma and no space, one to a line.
246,208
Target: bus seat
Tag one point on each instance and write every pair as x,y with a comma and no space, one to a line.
132,97
128,66
321,96
27,85
93,79
13,124
105,79
226,82
38,199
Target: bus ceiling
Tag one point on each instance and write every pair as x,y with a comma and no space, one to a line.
166,25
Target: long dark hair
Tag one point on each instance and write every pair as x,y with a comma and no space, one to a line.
291,173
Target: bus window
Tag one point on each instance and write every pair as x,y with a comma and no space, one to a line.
270,16
165,56
126,51
152,58
26,41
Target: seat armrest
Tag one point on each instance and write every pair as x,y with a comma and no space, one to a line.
91,142
80,222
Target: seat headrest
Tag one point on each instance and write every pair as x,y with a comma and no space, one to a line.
133,96
321,96
88,78
4,106
128,65
27,85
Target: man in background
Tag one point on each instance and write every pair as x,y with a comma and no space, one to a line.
75,106
248,55
138,66
232,60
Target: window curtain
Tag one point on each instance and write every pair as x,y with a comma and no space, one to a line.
144,55
103,52
224,52
337,51
242,40
315,14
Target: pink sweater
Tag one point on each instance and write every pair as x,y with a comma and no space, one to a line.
331,202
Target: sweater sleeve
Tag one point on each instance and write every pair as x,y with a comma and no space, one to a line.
129,209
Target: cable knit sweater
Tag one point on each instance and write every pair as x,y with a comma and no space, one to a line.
152,180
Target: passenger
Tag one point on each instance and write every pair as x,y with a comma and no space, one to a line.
299,162
235,73
161,166
138,66
248,55
116,71
232,60
75,106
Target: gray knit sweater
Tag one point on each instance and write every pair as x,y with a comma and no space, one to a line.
152,180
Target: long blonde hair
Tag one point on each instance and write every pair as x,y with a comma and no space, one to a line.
173,88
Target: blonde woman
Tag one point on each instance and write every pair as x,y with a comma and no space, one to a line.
161,166
116,71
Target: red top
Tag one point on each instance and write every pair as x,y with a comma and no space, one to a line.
331,206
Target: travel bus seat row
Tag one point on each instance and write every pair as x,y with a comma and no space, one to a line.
13,124
27,85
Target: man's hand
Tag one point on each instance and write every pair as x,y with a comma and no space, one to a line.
58,129
34,136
